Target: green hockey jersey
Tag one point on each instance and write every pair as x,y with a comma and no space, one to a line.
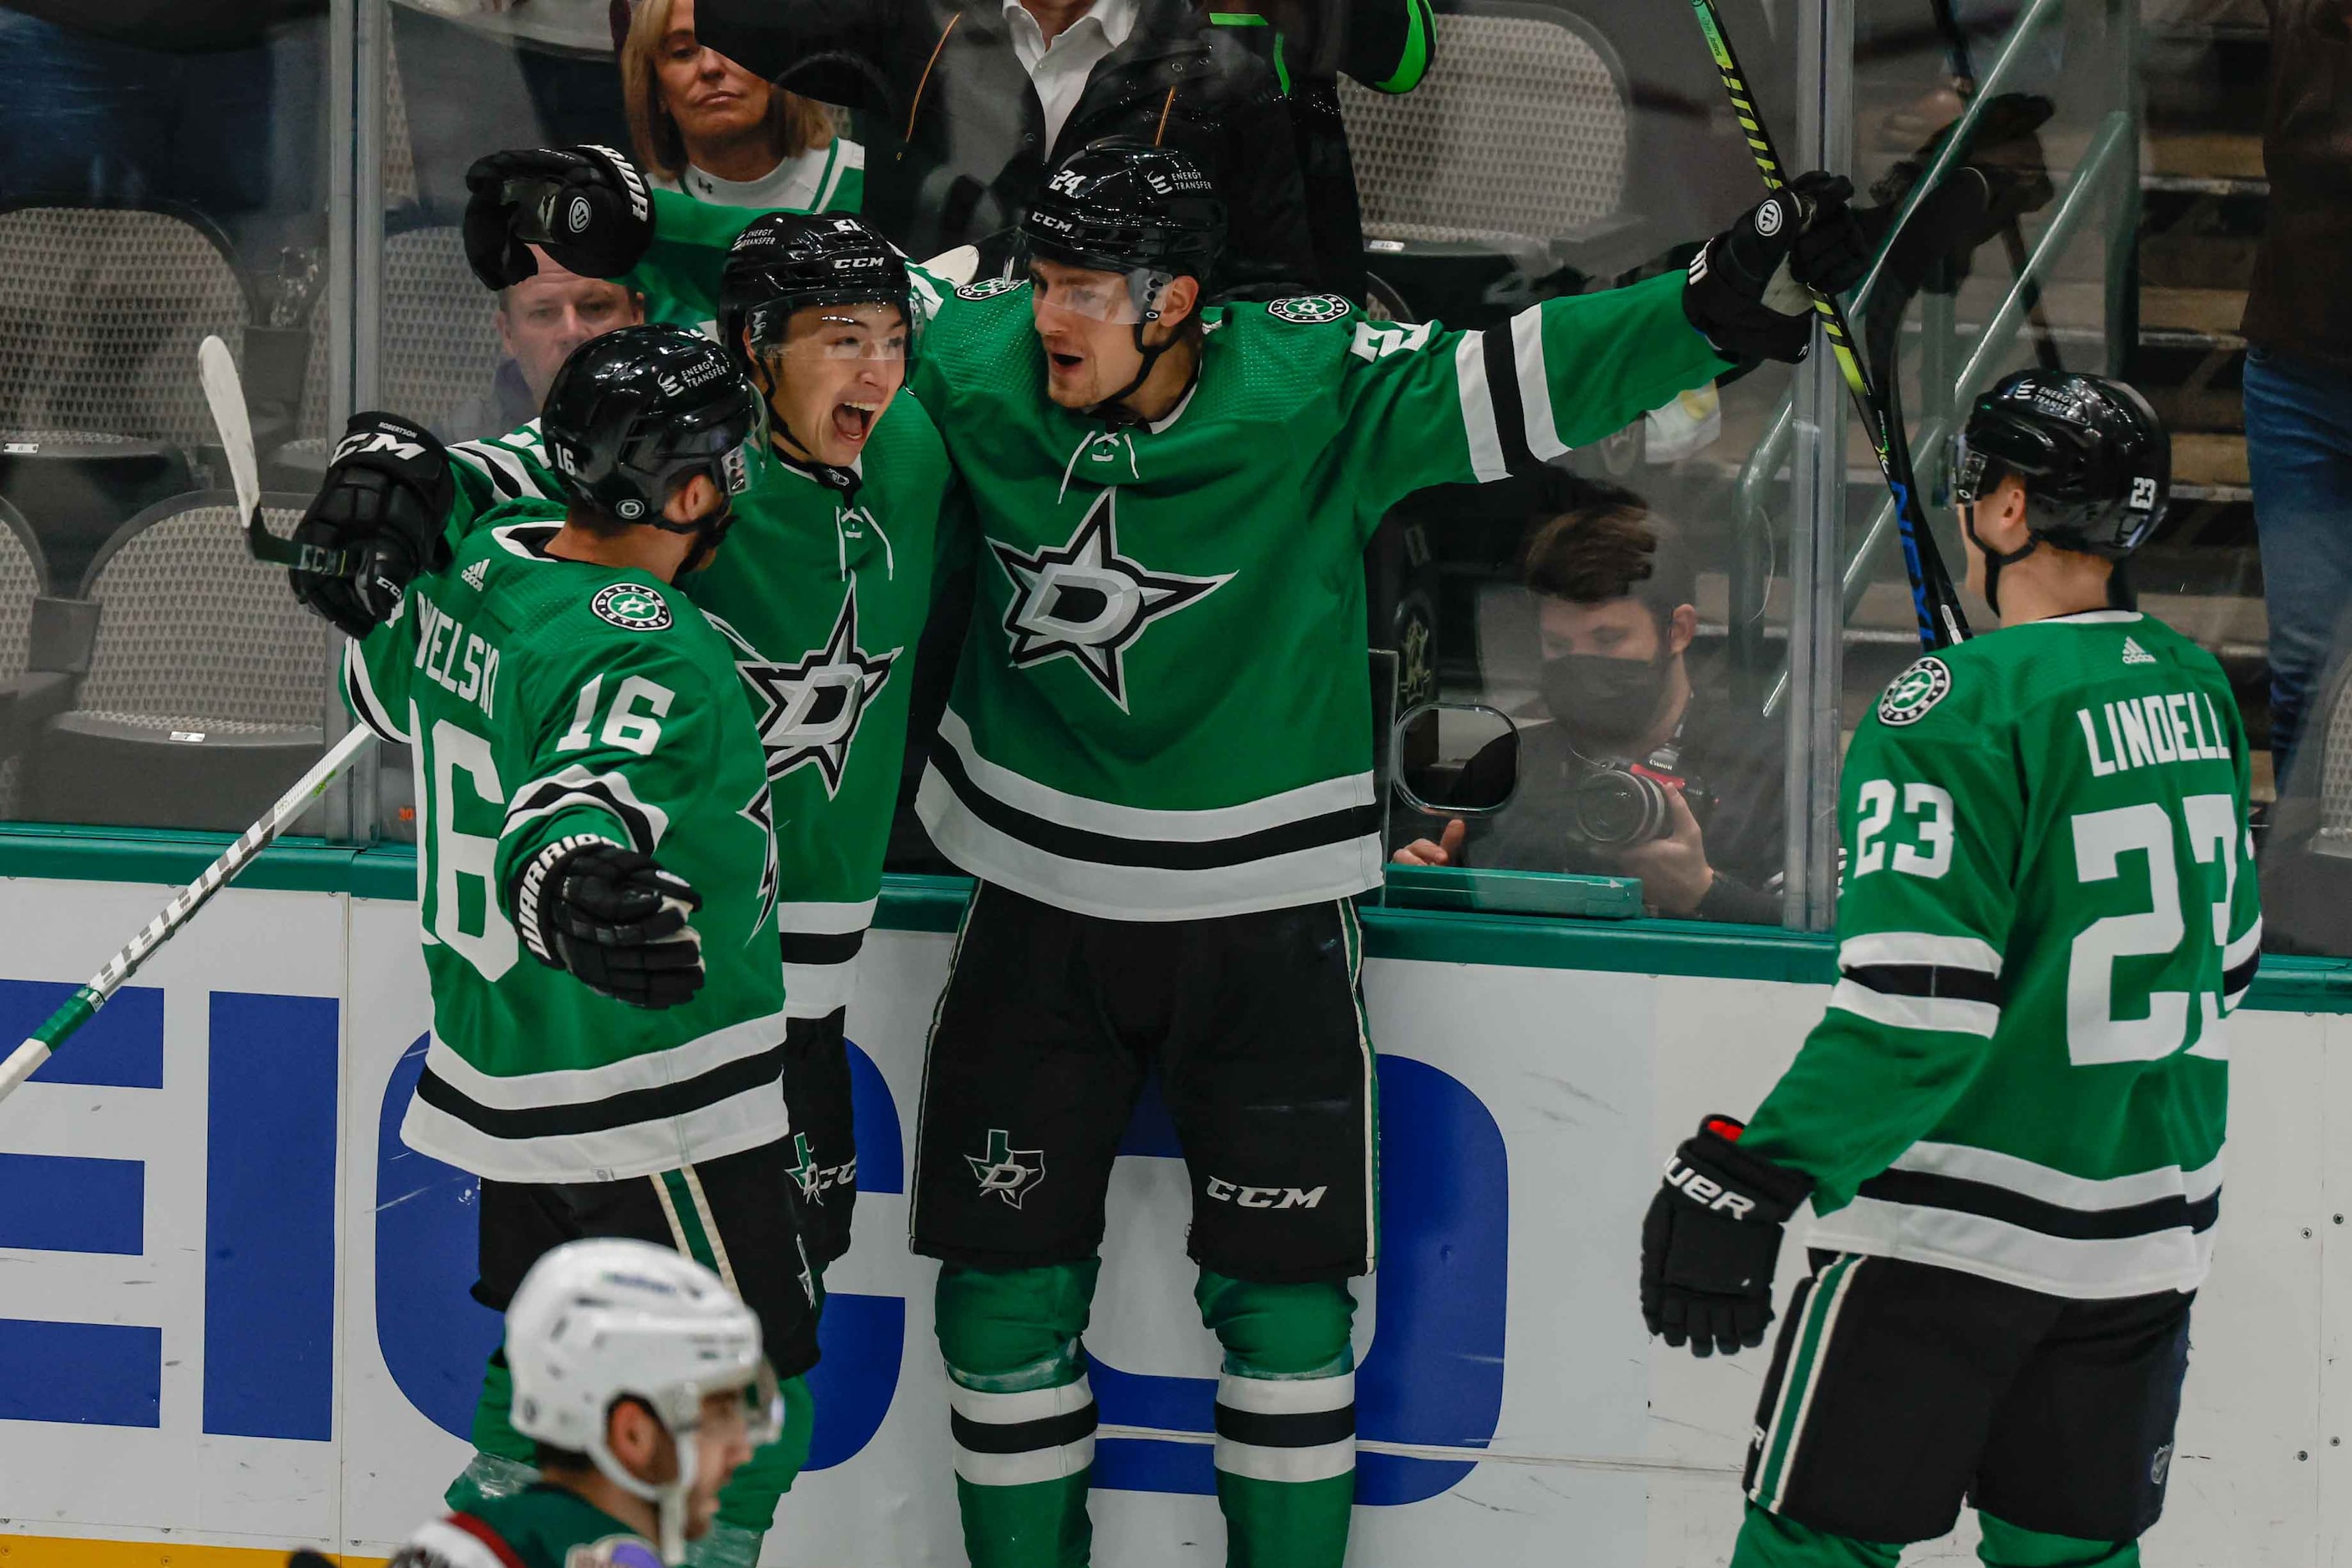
542,1526
821,596
1163,708
545,698
2049,911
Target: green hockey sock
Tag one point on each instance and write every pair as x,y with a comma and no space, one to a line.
2006,1545
1022,1415
748,1501
1771,1540
1285,1445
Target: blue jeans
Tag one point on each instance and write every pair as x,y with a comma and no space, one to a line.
2299,448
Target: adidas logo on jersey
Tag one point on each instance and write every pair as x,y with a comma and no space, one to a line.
2134,654
476,572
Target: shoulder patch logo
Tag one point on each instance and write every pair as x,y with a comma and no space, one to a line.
2134,654
1309,310
632,608
1910,694
988,288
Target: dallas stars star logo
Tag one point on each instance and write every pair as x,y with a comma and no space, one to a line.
1005,1171
810,709
1085,600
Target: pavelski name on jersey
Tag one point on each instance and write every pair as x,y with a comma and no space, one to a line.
2145,732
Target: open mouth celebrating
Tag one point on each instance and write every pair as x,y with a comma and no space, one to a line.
853,422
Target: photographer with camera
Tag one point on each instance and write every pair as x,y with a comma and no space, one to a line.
1638,772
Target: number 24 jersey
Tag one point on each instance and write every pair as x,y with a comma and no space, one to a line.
2049,910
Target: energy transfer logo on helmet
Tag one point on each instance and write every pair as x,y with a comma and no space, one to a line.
1911,694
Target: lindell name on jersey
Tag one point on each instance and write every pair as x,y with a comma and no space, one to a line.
2142,732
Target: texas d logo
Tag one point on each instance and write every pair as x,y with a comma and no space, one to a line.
1086,601
1005,1171
810,709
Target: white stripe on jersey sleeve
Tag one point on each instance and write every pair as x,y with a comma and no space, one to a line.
1918,947
1945,1014
370,707
1478,430
1535,387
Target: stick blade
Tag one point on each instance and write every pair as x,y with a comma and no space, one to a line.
224,392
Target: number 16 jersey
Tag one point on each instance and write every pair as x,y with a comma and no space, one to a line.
2049,910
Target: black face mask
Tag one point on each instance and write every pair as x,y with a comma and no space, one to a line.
1605,702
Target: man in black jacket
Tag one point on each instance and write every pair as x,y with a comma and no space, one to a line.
962,120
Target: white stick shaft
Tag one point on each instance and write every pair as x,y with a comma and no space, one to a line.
22,1063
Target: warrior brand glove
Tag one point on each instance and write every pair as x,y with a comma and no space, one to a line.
1747,288
586,206
386,492
614,918
1711,1240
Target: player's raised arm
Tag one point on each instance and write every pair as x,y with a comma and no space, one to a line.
1437,408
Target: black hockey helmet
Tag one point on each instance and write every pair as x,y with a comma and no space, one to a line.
1123,206
785,262
634,413
2095,460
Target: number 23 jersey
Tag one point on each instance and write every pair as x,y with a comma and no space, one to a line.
2049,910
545,698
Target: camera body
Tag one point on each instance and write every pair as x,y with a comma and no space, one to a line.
1616,806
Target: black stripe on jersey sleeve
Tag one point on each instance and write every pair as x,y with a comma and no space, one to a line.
1025,1437
820,947
2238,976
1927,980
545,797
1503,393
1924,1189
1293,1430
664,1100
1108,850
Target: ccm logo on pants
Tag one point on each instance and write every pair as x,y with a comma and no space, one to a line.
1226,1192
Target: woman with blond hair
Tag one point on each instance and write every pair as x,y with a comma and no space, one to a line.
704,125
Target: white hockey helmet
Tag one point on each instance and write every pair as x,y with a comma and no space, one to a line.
599,1320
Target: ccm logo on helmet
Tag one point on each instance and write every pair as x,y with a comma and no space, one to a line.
1234,1192
1706,1193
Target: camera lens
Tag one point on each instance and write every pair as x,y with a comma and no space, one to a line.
1614,807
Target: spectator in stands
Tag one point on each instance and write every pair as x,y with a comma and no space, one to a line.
966,105
702,124
540,320
1613,589
2298,328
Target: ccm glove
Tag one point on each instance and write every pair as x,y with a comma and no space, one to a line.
1746,293
1711,1240
614,918
385,497
586,206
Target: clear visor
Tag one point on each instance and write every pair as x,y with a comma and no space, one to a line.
1964,469
1120,298
848,332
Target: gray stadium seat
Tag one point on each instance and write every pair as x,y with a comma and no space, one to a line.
1516,145
205,689
26,696
100,312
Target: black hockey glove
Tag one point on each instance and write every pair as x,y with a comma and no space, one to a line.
614,918
586,206
1711,1240
1747,288
385,498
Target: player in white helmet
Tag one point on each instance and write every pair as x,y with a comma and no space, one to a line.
639,1374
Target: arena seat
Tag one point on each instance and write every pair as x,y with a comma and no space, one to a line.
205,686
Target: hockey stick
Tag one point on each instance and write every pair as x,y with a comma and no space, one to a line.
225,394
26,1058
1932,597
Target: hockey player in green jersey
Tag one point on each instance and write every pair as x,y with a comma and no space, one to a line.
2010,1120
592,795
639,1382
1174,501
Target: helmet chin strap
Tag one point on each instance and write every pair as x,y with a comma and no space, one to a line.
1995,559
669,1498
845,480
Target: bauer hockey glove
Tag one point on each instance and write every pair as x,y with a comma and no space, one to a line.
614,918
1746,293
1711,1240
383,501
586,206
